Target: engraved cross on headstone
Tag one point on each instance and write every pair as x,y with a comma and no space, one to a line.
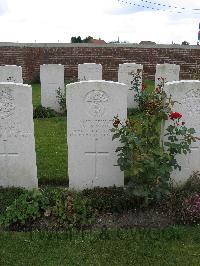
6,156
96,154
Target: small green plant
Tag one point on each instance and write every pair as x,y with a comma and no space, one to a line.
26,208
8,195
61,96
149,163
43,112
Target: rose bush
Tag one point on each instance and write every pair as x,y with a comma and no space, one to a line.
150,164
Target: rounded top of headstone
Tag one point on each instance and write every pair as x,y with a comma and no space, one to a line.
182,82
96,81
51,65
167,65
13,84
89,64
131,65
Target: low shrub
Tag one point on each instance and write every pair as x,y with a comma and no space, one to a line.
26,208
64,207
43,112
69,207
149,159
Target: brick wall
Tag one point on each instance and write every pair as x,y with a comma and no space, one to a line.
31,56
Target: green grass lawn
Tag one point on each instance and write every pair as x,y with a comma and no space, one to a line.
150,84
36,94
171,246
51,150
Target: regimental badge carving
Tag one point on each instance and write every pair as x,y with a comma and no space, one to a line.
7,105
96,100
191,102
11,79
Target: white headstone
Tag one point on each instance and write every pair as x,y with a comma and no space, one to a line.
11,73
52,79
89,71
92,106
170,72
17,142
126,74
187,95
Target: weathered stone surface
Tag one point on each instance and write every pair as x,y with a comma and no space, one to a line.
89,71
187,95
11,73
170,72
17,143
52,79
126,75
92,106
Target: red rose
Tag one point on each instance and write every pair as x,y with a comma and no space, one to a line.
116,122
175,115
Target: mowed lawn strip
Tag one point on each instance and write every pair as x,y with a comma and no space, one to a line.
51,150
170,246
36,94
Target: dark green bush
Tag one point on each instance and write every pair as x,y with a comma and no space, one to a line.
43,112
133,111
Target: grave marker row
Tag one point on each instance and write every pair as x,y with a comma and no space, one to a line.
91,151
52,78
92,106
